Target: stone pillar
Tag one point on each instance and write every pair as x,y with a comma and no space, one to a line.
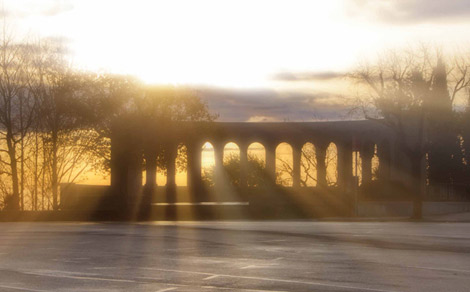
393,160
194,167
345,165
345,177
297,155
367,152
219,163
171,152
135,201
320,153
150,156
119,164
126,171
150,169
219,155
271,161
243,165
383,152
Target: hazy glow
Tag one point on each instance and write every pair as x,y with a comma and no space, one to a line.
207,156
225,43
231,43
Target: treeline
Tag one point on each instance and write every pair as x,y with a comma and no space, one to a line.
55,121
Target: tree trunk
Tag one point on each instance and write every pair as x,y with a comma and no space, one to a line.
22,156
36,173
14,203
54,174
22,174
43,177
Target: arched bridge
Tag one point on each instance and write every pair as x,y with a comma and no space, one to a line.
131,146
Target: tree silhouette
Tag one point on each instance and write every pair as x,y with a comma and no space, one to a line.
255,172
408,92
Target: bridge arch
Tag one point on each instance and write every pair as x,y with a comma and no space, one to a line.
181,162
231,152
208,162
375,164
308,165
256,150
357,165
331,163
284,164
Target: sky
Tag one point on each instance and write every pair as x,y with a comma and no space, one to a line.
249,60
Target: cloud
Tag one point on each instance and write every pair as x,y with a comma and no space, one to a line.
256,119
241,105
307,76
57,7
46,8
410,11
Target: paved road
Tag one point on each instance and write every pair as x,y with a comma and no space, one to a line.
235,256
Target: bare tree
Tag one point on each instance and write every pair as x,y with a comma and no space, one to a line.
406,90
17,107
67,138
308,166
